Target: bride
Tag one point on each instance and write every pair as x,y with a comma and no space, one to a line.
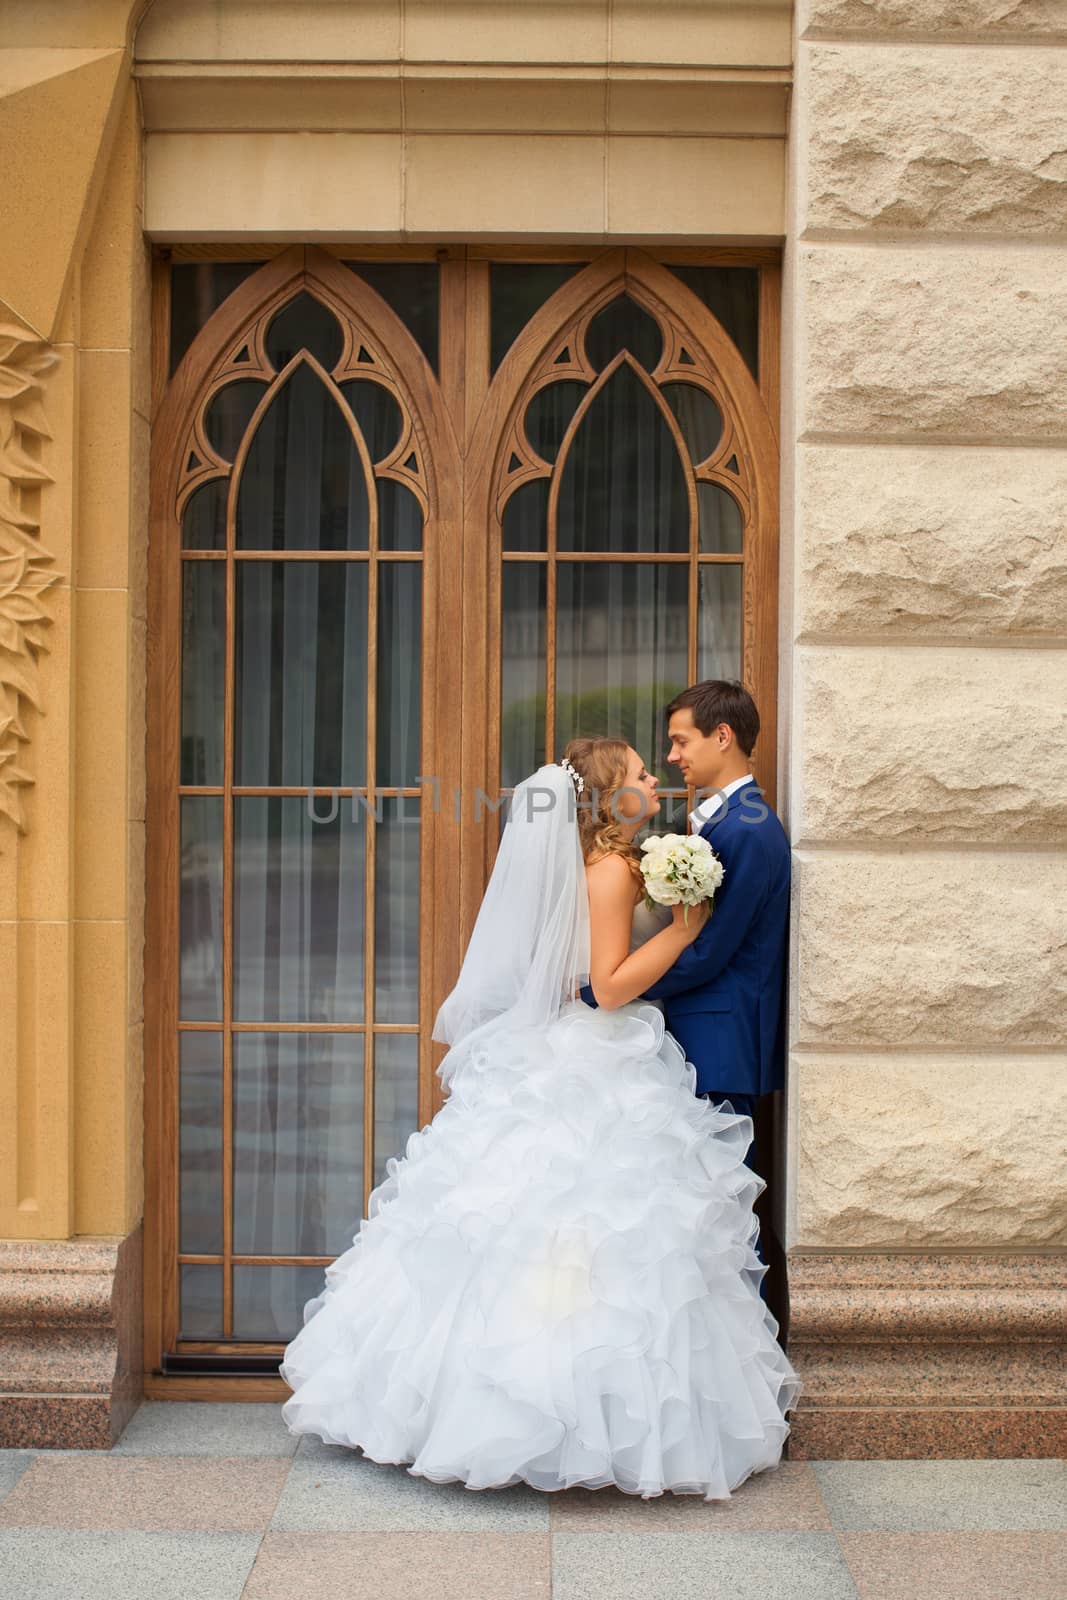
557,1283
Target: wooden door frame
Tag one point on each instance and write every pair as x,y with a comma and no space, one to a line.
465,411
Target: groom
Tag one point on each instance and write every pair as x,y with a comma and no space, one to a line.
724,997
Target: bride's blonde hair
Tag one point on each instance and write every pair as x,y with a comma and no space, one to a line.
602,763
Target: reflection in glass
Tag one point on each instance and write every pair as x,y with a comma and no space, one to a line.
621,652
298,910
303,486
200,1143
719,622
204,517
229,414
399,517
396,1096
396,911
732,295
399,672
197,289
698,417
524,525
203,667
298,1142
268,1302
380,418
199,1302
522,696
305,324
200,915
548,416
517,290
411,289
300,713
623,485
623,325
721,520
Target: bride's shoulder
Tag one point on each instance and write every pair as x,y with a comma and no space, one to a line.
611,874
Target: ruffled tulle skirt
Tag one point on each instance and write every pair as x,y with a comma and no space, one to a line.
557,1283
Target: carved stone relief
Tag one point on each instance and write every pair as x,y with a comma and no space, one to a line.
24,563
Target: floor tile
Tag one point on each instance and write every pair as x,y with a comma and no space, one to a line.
957,1566
401,1566
13,1463
785,1500
336,1490
57,1565
201,1428
916,1495
699,1566
97,1490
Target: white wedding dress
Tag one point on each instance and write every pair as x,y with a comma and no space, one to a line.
557,1282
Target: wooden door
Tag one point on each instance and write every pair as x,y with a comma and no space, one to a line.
414,522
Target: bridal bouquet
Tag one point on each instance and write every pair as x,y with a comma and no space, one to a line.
679,869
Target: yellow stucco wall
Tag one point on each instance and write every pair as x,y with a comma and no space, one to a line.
479,119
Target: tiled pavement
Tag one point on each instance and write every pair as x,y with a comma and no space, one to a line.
217,1502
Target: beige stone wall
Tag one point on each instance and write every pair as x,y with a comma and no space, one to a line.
472,120
926,624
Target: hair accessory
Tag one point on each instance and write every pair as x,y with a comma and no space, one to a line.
574,773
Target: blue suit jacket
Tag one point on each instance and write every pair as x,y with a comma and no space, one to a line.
724,998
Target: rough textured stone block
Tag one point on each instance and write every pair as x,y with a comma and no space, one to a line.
932,745
938,340
905,1151
970,139
930,949
941,18
931,540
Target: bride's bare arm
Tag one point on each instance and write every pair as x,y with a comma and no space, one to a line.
616,975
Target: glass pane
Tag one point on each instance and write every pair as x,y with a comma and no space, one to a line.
200,915
548,416
411,289
396,911
732,295
518,289
522,708
623,484
199,1302
305,324
197,289
380,418
399,517
721,520
200,1143
698,417
396,1096
623,325
303,486
399,670
719,622
621,652
298,910
203,670
300,713
268,1302
204,517
298,1142
230,412
524,525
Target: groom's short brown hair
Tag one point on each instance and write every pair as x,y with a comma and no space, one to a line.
720,700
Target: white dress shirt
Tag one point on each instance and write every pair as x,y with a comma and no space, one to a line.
707,808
